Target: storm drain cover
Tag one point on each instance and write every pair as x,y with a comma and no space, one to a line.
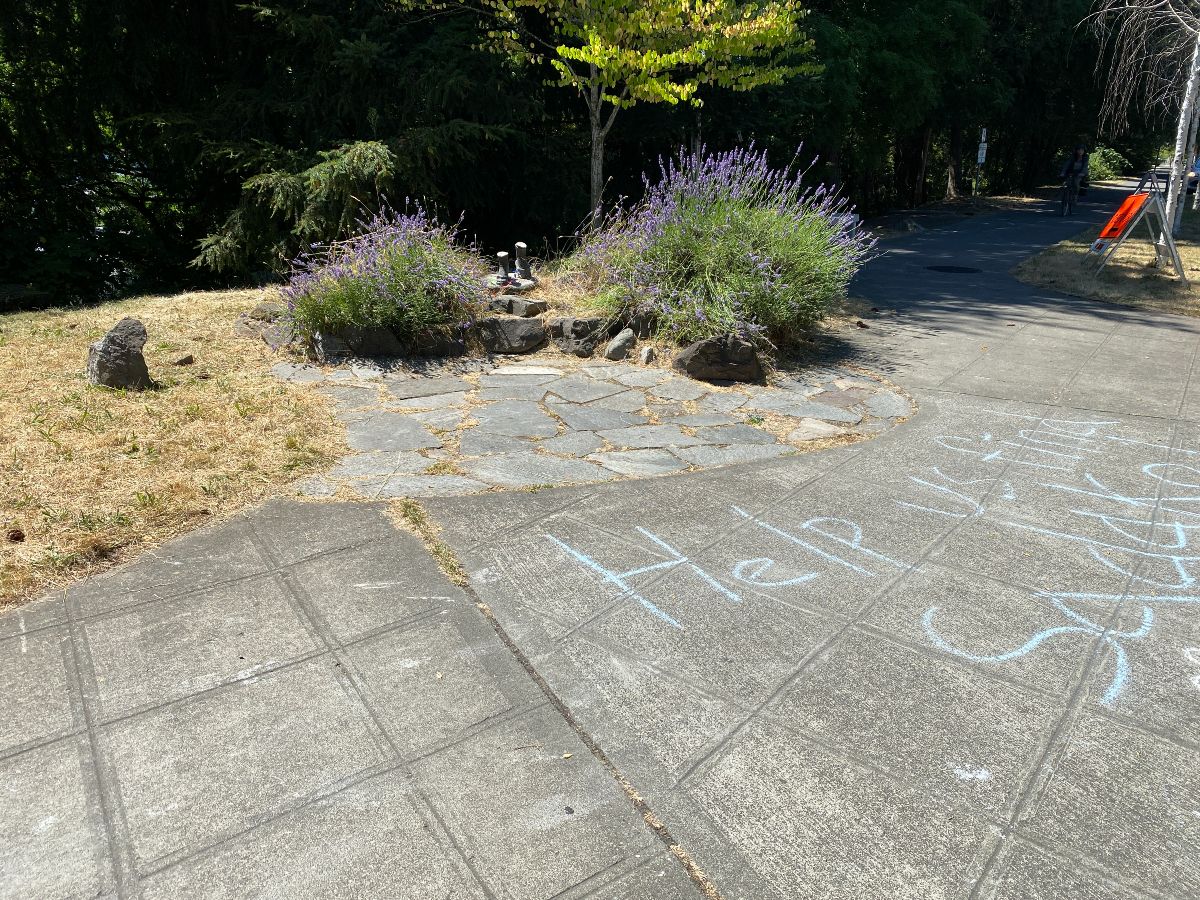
954,270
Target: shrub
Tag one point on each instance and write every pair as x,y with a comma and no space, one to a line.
1104,164
721,244
406,272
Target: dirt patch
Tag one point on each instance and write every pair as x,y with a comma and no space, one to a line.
90,476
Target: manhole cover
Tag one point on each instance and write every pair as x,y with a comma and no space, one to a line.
954,270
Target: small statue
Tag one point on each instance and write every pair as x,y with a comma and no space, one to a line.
514,279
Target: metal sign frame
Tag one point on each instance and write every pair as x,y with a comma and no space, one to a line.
1163,242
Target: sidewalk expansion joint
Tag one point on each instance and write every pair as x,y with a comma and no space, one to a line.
415,516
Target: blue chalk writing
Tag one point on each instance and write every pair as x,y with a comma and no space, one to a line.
1085,626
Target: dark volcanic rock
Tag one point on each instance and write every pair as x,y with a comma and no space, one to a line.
116,359
723,358
511,335
578,336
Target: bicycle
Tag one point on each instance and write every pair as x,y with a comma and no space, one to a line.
1070,194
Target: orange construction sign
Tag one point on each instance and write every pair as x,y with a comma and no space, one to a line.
1122,217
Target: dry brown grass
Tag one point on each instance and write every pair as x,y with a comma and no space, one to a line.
89,476
1130,278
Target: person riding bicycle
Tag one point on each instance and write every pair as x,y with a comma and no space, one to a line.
1074,175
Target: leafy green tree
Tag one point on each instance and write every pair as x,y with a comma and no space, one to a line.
617,53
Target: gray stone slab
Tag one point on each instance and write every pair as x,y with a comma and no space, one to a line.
298,373
648,436
814,430
527,370
420,386
626,401
35,703
487,443
351,398
501,379
315,486
734,434
639,463
679,389
607,370
542,817
434,401
163,651
728,455
299,734
787,404
446,419
428,486
888,405
573,443
643,378
389,431
515,418
703,420
362,465
532,469
374,839
516,391
721,402
581,389
579,417
53,838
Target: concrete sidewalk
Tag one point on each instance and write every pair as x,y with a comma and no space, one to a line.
296,704
959,661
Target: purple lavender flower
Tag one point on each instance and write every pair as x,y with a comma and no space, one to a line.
723,242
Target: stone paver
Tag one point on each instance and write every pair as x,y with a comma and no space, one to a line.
416,386
515,418
645,436
388,431
579,417
532,469
640,463
568,411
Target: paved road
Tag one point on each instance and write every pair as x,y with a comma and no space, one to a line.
953,662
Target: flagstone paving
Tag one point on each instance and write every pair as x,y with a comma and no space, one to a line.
513,425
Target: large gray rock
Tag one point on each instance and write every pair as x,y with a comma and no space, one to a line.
723,358
511,335
116,360
619,347
355,340
523,307
577,336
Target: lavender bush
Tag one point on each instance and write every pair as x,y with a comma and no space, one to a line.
723,243
403,271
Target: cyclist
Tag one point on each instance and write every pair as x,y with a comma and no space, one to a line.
1074,173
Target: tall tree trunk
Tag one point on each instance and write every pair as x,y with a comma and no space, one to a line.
1186,111
601,125
1187,166
954,163
597,170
